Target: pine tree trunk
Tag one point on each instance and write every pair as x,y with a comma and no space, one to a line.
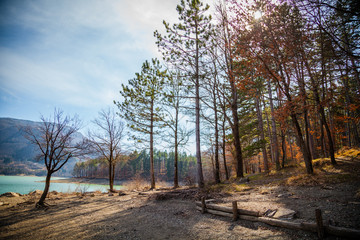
176,178
224,150
200,176
273,128
261,132
217,164
152,174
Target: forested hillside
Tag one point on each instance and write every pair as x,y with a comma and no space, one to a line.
137,165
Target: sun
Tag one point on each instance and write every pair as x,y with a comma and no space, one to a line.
258,14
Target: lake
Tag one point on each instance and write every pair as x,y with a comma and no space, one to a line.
26,184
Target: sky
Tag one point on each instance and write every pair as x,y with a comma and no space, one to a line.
74,54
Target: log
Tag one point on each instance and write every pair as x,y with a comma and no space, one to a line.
307,226
203,205
215,212
273,222
343,232
230,210
319,224
235,211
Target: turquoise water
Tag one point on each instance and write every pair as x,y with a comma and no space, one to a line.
26,184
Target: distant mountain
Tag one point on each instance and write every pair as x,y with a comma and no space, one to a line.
18,155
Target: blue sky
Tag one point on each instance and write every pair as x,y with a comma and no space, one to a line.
73,54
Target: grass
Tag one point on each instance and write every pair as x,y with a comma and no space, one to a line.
324,173
348,152
228,187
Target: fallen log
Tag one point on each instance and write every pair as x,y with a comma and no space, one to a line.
215,212
230,209
306,226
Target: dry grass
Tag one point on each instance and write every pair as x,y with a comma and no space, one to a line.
348,152
324,172
228,188
138,183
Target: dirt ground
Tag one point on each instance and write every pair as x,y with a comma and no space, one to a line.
172,214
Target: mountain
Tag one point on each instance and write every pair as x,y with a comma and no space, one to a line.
18,155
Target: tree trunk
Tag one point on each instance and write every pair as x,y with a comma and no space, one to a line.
111,184
217,165
234,98
312,145
322,114
200,176
152,174
235,131
224,150
283,146
273,128
290,146
304,149
261,132
40,203
113,176
176,178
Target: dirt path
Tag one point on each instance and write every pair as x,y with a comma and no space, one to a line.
169,214
141,216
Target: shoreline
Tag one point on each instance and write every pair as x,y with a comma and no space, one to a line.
97,181
59,179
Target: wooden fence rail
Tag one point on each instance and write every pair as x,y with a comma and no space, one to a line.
319,227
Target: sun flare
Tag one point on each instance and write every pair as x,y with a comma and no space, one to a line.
257,14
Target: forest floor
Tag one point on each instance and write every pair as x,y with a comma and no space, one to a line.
172,214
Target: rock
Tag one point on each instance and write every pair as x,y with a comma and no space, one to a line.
10,194
244,180
270,213
110,194
36,192
122,193
284,213
284,195
54,193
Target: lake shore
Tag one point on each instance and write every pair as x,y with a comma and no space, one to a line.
98,181
170,214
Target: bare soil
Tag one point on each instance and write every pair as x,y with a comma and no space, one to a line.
172,214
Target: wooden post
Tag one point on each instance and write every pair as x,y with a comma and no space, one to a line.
235,210
319,224
203,205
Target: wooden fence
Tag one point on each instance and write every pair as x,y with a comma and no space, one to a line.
318,227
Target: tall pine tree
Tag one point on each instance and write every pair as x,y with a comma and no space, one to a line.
184,46
140,106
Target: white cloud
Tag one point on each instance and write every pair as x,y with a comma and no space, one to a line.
77,53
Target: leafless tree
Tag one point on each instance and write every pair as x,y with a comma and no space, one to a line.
106,140
55,137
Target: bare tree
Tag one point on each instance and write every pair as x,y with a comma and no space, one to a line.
106,140
55,137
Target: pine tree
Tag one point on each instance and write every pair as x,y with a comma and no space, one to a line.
184,46
141,105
